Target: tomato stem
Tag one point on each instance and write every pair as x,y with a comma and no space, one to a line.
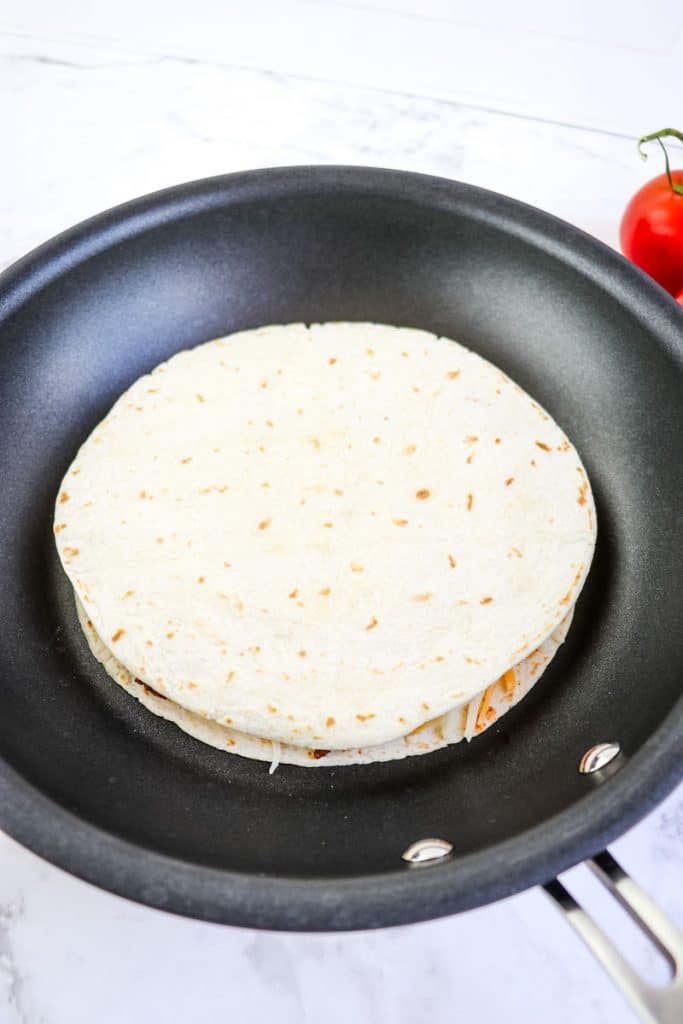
658,136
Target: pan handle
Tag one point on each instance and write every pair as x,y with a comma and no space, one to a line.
655,1004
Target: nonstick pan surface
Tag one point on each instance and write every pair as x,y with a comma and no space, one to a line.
96,784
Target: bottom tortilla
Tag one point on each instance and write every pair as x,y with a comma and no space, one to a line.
463,722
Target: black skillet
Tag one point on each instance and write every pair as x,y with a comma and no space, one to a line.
93,782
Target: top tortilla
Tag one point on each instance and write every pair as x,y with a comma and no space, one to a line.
325,535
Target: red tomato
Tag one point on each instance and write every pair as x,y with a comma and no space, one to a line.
652,231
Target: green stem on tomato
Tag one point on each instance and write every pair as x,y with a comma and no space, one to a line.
658,136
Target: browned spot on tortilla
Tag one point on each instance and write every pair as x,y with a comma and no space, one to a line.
294,593
533,463
470,502
427,596
188,458
76,471
590,520
472,661
543,446
400,522
372,623
269,423
200,398
328,526
201,579
498,440
583,492
510,480
316,443
376,374
59,527
409,449
170,635
452,374
128,593
264,384
192,686
370,351
325,592
272,709
471,439
364,718
452,562
338,491
302,654
72,552
469,458
227,565
148,643
486,600
355,567
264,524
159,540
414,388
332,360
405,355
422,494
425,705
63,498
117,635
330,721
567,597
516,552
317,754
377,440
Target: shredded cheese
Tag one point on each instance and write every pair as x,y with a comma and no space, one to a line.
277,749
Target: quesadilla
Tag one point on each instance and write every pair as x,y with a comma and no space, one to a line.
326,544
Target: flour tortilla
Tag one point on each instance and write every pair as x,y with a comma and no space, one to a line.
464,722
325,536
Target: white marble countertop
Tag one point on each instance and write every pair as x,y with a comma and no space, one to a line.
101,104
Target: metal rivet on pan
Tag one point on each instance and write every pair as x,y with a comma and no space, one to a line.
427,851
598,757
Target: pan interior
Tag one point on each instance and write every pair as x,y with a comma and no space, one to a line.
389,255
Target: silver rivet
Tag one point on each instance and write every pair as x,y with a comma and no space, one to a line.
426,851
598,757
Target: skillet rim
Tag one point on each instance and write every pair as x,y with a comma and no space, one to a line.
404,895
